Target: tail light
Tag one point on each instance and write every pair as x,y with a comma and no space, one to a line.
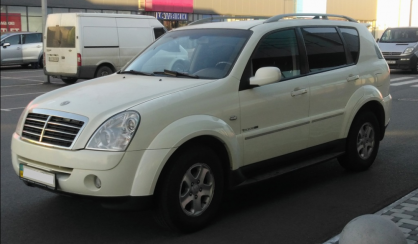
78,59
43,59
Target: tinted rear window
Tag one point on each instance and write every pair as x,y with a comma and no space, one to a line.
352,40
325,48
60,36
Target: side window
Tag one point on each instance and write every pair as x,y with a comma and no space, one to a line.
278,49
324,47
31,38
13,40
352,40
158,32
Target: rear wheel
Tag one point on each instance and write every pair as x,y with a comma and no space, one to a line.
103,71
362,143
24,65
190,190
69,80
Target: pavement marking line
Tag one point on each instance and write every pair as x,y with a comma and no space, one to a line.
5,72
14,78
400,78
404,83
414,86
23,85
8,109
22,94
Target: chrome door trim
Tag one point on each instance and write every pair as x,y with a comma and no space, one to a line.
274,131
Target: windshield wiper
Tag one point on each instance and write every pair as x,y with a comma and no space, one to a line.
176,73
135,72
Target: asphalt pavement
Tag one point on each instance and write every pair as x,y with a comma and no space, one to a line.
306,206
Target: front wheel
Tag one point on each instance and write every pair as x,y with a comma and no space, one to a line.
190,191
362,143
69,80
103,71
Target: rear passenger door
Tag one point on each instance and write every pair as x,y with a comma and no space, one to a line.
32,47
333,78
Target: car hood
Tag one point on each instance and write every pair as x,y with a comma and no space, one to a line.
395,47
111,94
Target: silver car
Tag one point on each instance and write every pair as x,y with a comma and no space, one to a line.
22,48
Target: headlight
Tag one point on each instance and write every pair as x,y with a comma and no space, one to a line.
116,133
408,50
21,120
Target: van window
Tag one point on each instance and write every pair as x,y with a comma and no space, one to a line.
352,40
278,49
400,35
158,32
60,36
32,38
324,47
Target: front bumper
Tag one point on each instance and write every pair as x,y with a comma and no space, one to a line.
116,170
405,62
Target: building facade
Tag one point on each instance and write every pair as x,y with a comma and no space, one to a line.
26,15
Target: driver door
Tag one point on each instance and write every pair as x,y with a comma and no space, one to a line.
11,54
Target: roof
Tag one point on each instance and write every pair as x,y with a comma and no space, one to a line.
245,25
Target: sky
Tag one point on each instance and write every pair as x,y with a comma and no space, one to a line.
311,6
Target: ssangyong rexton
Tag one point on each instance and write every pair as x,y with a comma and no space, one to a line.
249,101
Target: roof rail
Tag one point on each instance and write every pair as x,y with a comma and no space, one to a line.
209,20
315,16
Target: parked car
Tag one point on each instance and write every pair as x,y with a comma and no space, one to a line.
88,45
399,46
256,99
21,48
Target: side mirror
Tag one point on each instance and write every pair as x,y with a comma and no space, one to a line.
6,44
377,40
266,75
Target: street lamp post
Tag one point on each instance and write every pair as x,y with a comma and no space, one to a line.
44,15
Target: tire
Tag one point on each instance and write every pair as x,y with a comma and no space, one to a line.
180,182
24,65
415,70
103,71
41,62
362,143
69,80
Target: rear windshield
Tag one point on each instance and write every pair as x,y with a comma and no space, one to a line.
60,36
400,35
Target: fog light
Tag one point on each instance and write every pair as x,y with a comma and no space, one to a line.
404,59
97,182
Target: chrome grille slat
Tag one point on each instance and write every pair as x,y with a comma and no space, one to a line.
54,128
56,138
24,131
69,126
72,134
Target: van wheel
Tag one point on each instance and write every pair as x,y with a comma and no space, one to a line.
103,71
24,65
41,62
69,80
362,143
190,190
179,66
415,70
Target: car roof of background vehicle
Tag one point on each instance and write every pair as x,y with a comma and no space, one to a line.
9,34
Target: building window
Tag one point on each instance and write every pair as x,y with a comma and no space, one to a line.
35,19
14,19
94,11
77,10
59,10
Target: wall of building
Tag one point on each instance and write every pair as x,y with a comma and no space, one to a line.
357,9
131,5
244,7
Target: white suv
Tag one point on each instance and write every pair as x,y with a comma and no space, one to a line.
251,100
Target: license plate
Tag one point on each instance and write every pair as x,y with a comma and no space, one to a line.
391,61
53,59
37,176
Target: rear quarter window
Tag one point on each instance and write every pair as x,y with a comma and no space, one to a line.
352,41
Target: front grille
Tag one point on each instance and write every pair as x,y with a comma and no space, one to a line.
392,53
51,130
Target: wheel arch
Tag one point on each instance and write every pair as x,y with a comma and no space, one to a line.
106,63
178,137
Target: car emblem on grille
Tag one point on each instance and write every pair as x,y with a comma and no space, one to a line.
65,103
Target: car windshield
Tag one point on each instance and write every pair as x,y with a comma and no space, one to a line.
400,35
196,53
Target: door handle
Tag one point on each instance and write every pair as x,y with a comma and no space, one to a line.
38,46
299,91
353,77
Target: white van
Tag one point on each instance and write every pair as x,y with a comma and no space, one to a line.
88,45
399,46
